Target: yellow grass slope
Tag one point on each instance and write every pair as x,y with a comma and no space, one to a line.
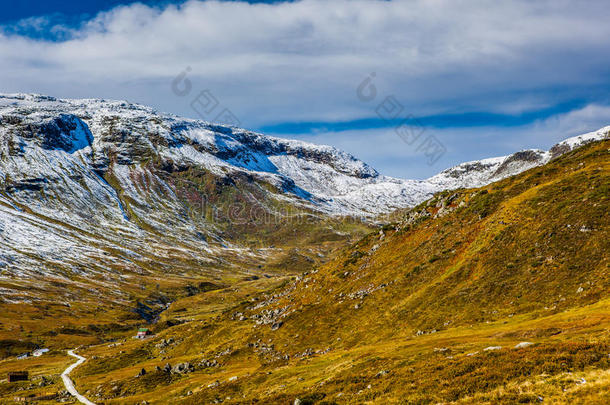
491,295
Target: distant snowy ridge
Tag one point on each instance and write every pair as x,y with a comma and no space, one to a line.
478,173
49,140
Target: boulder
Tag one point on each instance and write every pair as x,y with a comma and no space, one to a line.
523,344
182,368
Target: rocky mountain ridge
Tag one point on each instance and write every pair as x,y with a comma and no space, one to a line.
120,134
104,188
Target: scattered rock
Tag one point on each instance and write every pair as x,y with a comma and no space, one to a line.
522,345
491,348
182,368
382,373
164,343
208,363
270,316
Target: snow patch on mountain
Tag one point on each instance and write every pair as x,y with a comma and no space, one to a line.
92,191
481,172
65,146
101,134
577,141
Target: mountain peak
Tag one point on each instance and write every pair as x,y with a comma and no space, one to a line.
115,134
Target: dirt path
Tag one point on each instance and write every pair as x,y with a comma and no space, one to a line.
68,382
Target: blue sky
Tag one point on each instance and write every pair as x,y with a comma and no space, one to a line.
15,10
484,78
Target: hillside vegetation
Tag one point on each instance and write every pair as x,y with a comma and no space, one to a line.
490,295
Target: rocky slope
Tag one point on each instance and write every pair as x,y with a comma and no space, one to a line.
491,295
109,211
105,188
117,138
100,194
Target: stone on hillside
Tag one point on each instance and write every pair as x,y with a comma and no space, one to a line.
382,373
182,368
491,348
523,344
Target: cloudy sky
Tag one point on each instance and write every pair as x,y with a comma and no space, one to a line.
483,78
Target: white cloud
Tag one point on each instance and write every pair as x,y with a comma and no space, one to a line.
385,150
576,122
303,60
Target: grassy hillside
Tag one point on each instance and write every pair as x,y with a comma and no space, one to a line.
491,295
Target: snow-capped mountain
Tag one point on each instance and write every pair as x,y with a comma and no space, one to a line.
481,172
45,136
100,188
104,189
71,146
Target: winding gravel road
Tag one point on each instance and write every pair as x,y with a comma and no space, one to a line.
68,382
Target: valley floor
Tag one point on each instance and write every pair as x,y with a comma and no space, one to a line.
566,360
